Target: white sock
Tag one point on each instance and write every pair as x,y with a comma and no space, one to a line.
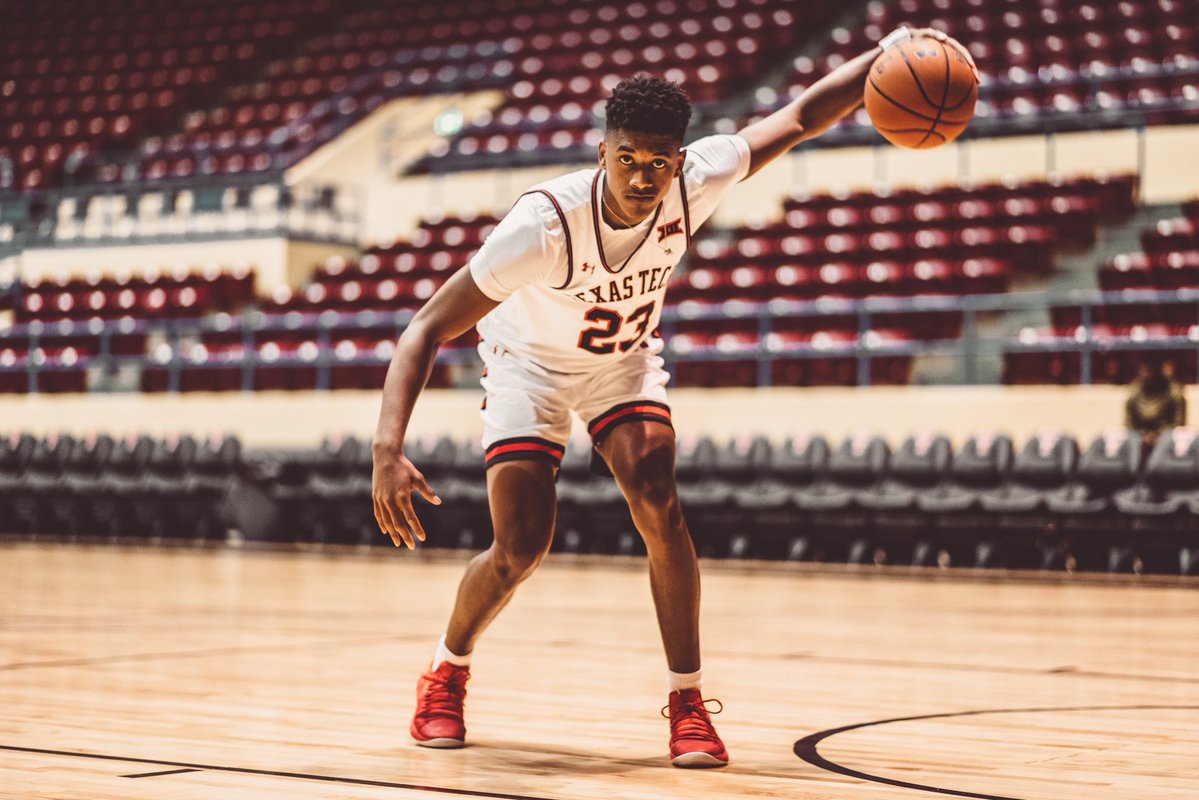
686,680
443,654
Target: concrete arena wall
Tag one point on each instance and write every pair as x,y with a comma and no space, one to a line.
277,261
301,419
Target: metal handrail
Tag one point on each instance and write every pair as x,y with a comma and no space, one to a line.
324,326
331,320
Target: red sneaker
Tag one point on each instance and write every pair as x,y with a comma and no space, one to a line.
693,740
439,695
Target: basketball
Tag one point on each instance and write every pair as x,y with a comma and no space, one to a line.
921,92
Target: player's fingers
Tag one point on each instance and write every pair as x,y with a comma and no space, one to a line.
965,51
385,524
400,509
395,529
426,490
413,521
407,521
378,515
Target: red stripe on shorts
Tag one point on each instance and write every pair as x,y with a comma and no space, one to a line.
652,410
553,450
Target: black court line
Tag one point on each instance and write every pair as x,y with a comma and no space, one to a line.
303,776
806,748
163,772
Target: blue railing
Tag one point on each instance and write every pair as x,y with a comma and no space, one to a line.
177,349
969,347
309,212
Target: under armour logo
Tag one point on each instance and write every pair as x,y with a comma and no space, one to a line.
588,267
670,229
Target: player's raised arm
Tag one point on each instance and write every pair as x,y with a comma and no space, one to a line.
820,106
452,311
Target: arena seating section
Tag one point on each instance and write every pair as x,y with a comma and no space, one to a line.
1043,57
62,324
98,80
183,293
200,87
1045,504
947,241
174,487
1169,261
1170,258
157,90
734,305
711,46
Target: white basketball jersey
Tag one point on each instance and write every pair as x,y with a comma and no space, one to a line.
586,308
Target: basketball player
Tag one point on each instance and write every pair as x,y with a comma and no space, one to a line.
567,292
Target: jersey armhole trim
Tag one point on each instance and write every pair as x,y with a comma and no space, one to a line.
686,209
570,252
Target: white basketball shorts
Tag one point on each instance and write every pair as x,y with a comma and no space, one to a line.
526,412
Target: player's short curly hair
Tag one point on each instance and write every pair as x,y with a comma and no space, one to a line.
648,104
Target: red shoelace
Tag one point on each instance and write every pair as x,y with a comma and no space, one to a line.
690,720
444,698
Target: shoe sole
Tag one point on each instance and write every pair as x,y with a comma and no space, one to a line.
698,761
441,744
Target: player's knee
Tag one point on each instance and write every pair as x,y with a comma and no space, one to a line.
650,482
514,564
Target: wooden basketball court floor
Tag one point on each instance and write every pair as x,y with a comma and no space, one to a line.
157,673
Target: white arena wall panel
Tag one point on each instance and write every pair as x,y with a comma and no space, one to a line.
301,419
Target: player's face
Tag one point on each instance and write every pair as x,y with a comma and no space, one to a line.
640,169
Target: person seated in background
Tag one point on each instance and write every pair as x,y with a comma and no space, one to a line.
1156,402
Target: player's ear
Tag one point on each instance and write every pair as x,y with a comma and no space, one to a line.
603,151
678,163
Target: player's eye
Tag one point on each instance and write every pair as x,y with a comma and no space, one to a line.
626,159
659,163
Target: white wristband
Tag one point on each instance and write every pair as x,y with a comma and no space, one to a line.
896,36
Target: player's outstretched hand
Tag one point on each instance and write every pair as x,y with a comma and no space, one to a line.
393,481
929,33
944,38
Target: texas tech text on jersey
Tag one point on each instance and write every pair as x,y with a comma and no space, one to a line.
645,281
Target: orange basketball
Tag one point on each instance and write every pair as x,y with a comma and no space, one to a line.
921,93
